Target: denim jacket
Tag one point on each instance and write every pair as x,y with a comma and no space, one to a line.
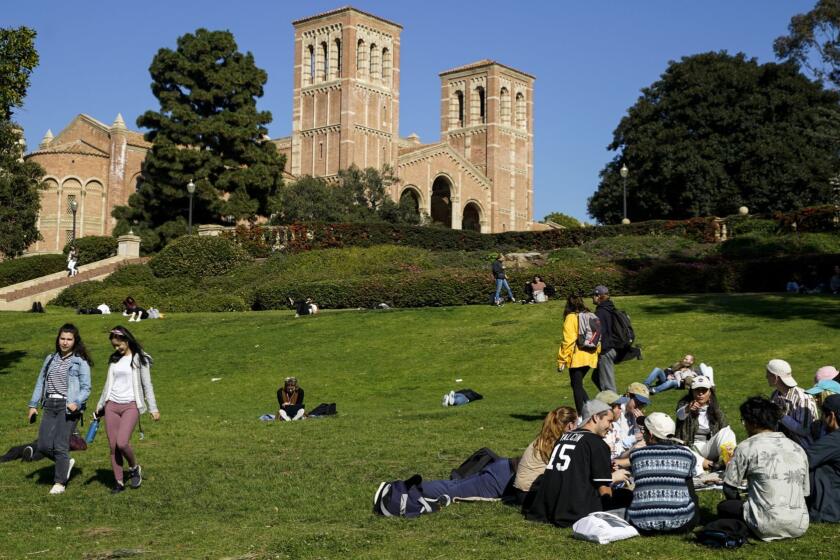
78,382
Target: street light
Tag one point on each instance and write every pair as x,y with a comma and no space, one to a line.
624,172
191,190
73,207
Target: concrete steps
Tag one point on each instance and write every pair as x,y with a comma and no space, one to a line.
19,297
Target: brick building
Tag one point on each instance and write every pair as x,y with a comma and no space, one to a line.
346,109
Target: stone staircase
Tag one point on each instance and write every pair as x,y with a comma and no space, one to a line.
21,296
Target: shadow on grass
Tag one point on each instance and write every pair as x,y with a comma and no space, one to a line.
105,477
44,475
8,359
825,309
529,417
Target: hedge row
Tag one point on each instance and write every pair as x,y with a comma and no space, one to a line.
196,256
22,269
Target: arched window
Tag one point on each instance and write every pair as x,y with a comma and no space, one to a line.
456,110
362,54
521,117
375,64
504,98
323,62
310,65
335,60
386,67
477,104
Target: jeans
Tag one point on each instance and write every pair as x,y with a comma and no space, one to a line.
604,376
54,436
499,283
459,399
663,382
489,483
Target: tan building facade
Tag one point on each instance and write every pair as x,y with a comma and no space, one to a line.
346,108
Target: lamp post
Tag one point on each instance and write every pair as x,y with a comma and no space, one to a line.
624,172
191,190
74,206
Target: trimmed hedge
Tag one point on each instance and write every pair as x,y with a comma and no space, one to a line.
22,269
198,256
91,294
757,246
93,248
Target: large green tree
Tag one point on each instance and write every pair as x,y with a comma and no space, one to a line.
562,219
208,130
813,41
359,195
19,180
716,132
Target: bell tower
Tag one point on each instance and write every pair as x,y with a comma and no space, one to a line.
346,92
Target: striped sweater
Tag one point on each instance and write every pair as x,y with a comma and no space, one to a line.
663,498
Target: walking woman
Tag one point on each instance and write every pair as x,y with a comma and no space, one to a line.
62,387
578,360
128,387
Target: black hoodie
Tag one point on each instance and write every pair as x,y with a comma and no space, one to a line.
604,312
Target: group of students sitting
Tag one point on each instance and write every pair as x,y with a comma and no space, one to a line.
615,457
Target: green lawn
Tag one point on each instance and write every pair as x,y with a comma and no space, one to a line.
221,484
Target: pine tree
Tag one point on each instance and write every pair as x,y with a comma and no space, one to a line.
208,130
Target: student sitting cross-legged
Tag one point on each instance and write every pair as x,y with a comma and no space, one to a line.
824,464
664,500
577,478
776,471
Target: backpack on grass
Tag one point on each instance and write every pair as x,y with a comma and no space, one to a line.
724,533
474,464
402,498
589,331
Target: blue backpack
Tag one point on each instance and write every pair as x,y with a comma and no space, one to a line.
402,498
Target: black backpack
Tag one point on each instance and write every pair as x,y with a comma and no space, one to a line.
623,334
323,409
474,464
470,394
724,533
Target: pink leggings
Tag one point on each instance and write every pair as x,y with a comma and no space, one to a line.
120,420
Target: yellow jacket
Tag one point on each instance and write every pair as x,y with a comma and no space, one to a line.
569,355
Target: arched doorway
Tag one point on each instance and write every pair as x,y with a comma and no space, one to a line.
410,196
442,201
472,217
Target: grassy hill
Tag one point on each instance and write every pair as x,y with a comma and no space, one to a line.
221,484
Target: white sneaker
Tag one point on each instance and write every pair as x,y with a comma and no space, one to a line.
57,489
70,468
446,399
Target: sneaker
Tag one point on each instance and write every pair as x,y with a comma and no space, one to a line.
27,453
513,300
57,489
70,468
135,476
118,488
446,400
451,398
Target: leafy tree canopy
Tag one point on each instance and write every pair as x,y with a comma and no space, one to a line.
360,195
19,180
208,130
716,132
814,41
563,219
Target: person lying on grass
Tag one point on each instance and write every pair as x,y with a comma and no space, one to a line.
673,377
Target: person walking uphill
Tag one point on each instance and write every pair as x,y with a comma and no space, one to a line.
501,280
128,387
570,355
62,387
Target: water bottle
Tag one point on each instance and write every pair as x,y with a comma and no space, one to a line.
91,433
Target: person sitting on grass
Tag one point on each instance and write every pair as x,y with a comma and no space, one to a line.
536,291
776,471
664,500
613,437
494,480
629,431
826,373
824,465
290,398
702,425
798,407
134,312
578,477
672,377
304,306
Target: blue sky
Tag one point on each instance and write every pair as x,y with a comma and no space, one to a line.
591,59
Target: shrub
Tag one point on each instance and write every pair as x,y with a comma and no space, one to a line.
754,246
22,269
198,256
93,248
741,225
131,274
623,247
